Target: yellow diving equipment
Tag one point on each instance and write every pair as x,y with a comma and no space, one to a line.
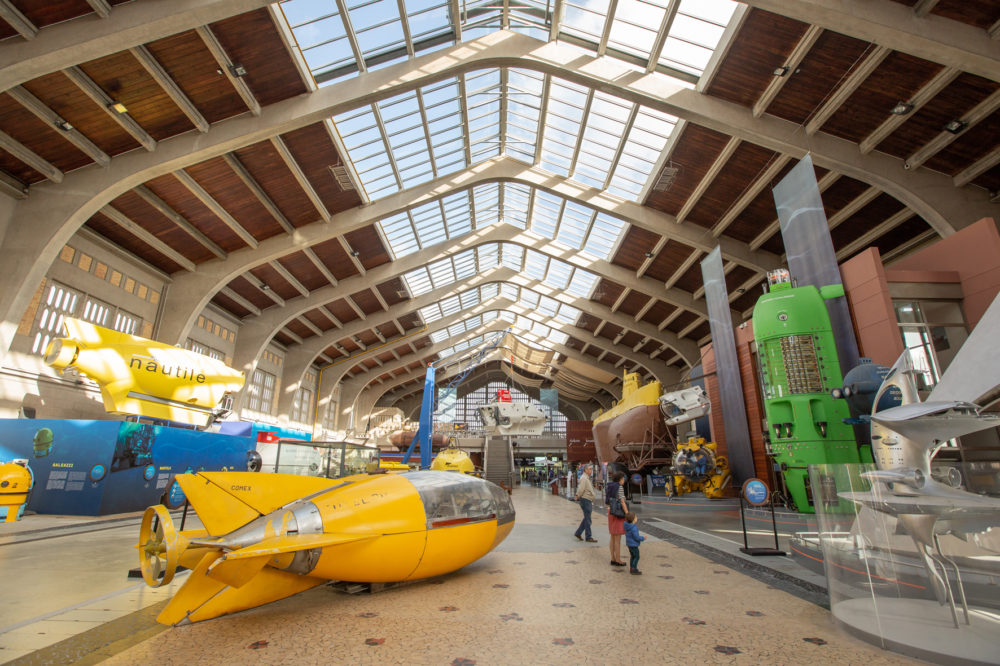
696,466
453,459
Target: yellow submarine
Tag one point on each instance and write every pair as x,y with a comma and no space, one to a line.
141,376
631,424
269,536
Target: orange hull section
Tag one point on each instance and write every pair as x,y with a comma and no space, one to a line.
638,425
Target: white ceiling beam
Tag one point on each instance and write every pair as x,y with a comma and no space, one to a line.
651,256
656,50
12,187
682,269
644,309
101,7
264,288
103,100
165,81
345,163
311,326
242,302
159,204
241,171
853,206
977,168
846,88
332,317
792,63
30,158
874,234
202,195
971,118
918,99
147,237
295,338
300,177
352,254
226,66
291,46
354,306
609,20
51,118
320,266
765,179
924,7
621,299
352,37
669,319
288,277
706,181
17,20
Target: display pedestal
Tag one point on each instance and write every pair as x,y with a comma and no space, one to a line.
923,629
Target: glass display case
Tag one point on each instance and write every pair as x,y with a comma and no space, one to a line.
324,459
914,573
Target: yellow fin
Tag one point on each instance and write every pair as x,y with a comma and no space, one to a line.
237,572
290,543
220,512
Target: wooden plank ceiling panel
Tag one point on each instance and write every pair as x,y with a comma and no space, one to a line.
319,320
230,306
607,292
990,180
225,186
877,211
588,322
41,138
366,301
832,57
46,13
18,169
741,170
266,275
691,280
300,329
388,330
761,212
410,321
303,270
283,339
391,290
658,312
64,97
762,45
978,13
119,236
609,331
190,64
747,300
634,302
632,252
315,153
901,234
631,339
367,242
696,150
840,194
681,322
342,311
964,93
251,292
266,167
898,77
139,211
669,260
737,277
252,40
697,333
178,197
369,338
125,80
973,144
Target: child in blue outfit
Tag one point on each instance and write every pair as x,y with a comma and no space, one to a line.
632,540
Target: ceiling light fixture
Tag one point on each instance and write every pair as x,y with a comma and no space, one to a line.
64,125
649,255
955,126
117,107
780,71
355,253
237,70
264,287
902,108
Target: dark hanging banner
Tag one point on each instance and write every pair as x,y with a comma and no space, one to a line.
809,248
727,368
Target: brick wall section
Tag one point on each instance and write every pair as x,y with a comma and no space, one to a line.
871,307
974,253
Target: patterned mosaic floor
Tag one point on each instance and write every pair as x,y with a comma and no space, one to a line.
542,597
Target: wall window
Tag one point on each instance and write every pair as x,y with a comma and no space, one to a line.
58,303
302,403
933,331
204,350
126,322
96,311
260,392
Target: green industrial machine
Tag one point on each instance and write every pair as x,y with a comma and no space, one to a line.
799,368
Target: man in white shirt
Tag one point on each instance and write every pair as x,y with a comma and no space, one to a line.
585,496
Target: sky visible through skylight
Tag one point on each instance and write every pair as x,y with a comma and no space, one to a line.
587,136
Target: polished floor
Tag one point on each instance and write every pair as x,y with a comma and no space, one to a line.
541,597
